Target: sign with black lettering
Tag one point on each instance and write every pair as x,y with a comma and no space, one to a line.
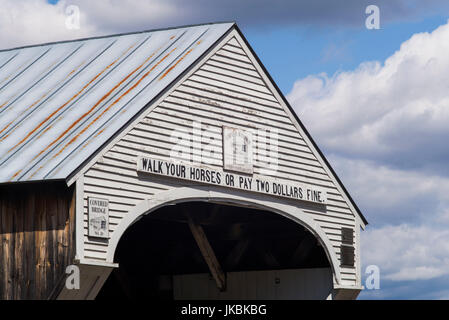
98,217
254,183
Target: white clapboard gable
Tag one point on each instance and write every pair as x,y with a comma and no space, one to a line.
227,87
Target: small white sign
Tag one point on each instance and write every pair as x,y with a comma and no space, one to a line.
98,217
237,150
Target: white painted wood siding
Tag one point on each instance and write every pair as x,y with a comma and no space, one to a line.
294,284
227,89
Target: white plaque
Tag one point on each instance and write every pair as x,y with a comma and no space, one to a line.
98,217
237,150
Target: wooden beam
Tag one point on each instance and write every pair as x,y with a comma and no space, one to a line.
264,249
271,260
123,280
207,252
303,250
236,253
214,216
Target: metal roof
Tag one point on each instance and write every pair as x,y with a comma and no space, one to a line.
60,102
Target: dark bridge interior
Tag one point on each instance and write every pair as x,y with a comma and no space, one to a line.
162,244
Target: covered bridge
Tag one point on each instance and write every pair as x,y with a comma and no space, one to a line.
165,164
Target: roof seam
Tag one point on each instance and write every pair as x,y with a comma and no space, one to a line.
24,69
55,91
94,84
138,93
9,60
57,115
115,95
41,78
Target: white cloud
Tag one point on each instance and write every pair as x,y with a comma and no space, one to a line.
396,112
36,21
391,196
24,22
112,16
27,22
385,128
407,252
408,235
418,247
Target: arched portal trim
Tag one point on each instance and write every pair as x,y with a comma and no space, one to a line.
216,194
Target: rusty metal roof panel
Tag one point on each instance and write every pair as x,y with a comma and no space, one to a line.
60,102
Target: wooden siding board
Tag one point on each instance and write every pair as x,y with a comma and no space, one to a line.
229,67
233,42
203,92
234,94
186,98
232,74
220,85
233,55
172,110
114,177
233,62
2,250
233,82
19,260
97,185
7,262
234,49
185,146
286,156
29,253
31,229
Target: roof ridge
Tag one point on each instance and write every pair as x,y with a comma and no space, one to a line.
115,35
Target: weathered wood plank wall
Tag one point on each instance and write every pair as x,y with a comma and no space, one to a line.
36,238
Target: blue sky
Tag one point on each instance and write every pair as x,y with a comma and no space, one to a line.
304,50
376,102
325,47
